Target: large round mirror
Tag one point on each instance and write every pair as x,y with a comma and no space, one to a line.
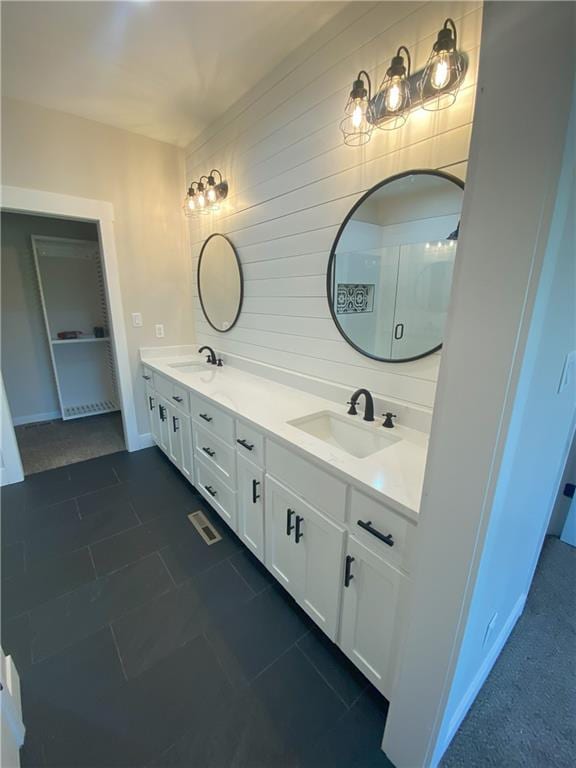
220,285
390,268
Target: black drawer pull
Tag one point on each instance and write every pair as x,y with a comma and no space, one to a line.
151,401
205,417
162,412
146,378
210,490
386,538
175,425
245,444
348,576
177,398
209,451
255,494
299,533
289,525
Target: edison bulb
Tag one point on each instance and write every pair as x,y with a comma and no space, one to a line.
191,203
358,113
201,200
211,195
394,95
441,71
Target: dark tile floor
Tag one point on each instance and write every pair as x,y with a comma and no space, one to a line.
139,645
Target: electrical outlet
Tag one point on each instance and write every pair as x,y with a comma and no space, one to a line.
137,319
159,331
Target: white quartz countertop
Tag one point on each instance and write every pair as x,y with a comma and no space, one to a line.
393,475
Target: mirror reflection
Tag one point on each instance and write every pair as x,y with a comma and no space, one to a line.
390,269
220,285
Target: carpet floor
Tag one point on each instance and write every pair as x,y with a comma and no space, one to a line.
525,715
58,443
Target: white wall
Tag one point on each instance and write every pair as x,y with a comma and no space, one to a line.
485,411
26,364
144,181
292,181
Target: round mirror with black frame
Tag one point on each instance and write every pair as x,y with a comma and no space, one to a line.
390,268
220,282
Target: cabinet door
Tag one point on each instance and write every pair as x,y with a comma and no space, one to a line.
175,435
319,544
152,408
369,609
187,465
251,506
281,554
163,424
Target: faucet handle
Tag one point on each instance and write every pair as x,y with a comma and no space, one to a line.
352,410
388,423
219,362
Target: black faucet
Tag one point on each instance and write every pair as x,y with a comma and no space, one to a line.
211,359
368,409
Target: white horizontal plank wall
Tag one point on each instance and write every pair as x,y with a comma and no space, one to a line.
292,181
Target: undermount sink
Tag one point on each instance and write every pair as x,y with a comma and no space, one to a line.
188,367
357,439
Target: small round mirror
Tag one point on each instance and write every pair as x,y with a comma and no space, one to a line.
220,284
390,269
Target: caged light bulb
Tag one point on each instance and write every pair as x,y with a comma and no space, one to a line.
441,71
394,96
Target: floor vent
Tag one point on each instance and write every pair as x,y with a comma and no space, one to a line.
204,528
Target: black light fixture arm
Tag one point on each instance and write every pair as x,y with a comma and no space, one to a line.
408,58
450,28
360,84
211,175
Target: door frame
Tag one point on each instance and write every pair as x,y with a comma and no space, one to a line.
37,202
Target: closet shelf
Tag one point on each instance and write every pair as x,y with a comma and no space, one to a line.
81,340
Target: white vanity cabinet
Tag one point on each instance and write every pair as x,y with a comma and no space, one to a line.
369,622
304,550
250,505
180,440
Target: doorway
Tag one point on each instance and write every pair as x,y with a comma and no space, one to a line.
57,358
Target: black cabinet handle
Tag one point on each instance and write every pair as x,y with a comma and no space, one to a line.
209,452
175,425
299,533
162,412
178,399
210,490
348,576
289,526
244,444
399,331
255,494
386,538
151,401
205,417
146,378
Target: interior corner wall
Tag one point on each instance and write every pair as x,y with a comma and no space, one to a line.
26,365
292,182
144,181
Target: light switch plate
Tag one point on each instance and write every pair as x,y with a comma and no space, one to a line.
137,319
568,370
159,331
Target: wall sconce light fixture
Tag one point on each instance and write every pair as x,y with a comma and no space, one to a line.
205,197
356,127
442,74
393,98
434,87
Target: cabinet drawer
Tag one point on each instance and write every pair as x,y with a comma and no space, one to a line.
250,443
163,386
180,397
216,492
388,534
212,418
326,493
216,453
147,374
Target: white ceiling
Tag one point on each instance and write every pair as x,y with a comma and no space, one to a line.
162,69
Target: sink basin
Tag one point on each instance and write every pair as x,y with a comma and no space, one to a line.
357,439
189,367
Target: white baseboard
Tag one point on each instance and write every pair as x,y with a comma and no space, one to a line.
145,441
481,675
32,418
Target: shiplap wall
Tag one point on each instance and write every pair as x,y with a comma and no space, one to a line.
292,181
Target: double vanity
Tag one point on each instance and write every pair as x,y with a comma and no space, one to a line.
327,501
